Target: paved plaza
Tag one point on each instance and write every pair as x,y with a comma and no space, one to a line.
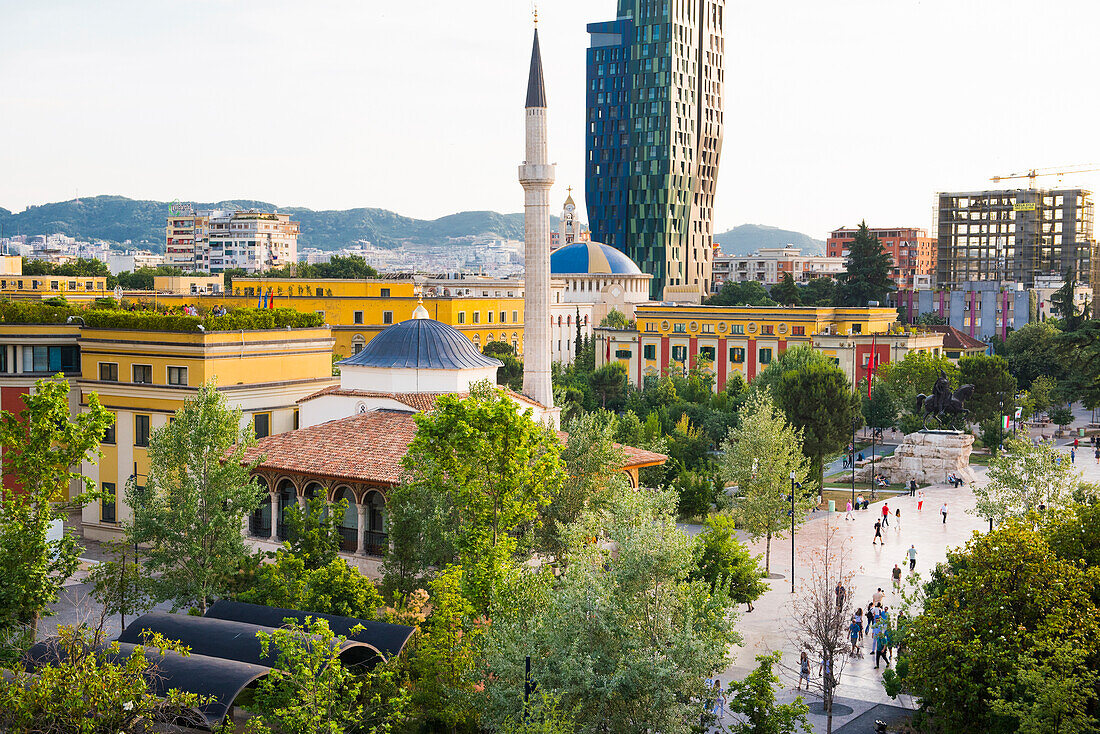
766,629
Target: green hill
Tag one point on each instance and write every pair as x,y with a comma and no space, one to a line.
117,219
747,238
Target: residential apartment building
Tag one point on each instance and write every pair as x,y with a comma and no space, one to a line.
768,265
982,309
741,339
911,249
220,240
655,80
1015,236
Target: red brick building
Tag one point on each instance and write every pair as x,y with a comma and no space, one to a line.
912,250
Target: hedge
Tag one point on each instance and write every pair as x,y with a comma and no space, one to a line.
249,319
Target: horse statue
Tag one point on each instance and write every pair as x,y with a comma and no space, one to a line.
946,406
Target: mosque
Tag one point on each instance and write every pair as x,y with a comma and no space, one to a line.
352,437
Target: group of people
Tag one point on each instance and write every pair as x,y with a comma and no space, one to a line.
955,480
874,623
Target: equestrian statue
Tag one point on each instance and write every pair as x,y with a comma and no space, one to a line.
943,403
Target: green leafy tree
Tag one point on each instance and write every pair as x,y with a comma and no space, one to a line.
43,447
819,401
313,534
88,686
993,434
759,458
1063,303
1009,640
609,384
794,358
786,292
746,293
1026,476
625,639
697,492
723,561
881,409
334,588
1061,416
188,517
916,374
511,374
994,387
308,690
614,320
929,318
478,474
753,702
1041,393
1032,352
819,292
867,271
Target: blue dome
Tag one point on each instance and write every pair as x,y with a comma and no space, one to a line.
582,258
421,343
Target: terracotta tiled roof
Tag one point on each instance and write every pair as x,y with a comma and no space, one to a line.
420,401
954,339
366,448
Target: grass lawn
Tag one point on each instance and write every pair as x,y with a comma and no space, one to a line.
980,459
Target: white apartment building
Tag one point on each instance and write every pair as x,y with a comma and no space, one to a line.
214,241
768,265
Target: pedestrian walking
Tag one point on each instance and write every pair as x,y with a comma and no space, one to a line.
897,519
855,629
869,617
878,596
896,576
885,514
943,511
1073,456
858,619
878,533
880,645
840,591
1097,454
920,500
912,553
804,671
719,709
848,511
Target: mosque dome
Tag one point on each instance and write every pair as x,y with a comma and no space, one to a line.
591,258
421,343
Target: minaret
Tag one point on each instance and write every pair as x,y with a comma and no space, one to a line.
536,175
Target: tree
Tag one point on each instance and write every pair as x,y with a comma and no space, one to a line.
929,318
87,685
614,320
1025,477
753,700
334,588
867,271
746,293
819,292
609,384
819,401
723,561
43,447
119,584
759,457
1061,416
308,690
819,617
1041,393
993,434
624,638
1009,639
994,387
880,410
1063,303
794,358
313,534
478,473
1031,352
188,517
786,292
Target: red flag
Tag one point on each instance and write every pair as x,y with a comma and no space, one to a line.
270,298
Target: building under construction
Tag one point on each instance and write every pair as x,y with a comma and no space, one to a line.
1015,236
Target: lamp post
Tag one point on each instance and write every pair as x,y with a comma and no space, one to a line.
852,463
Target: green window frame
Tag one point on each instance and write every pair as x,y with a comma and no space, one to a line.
765,355
737,355
649,351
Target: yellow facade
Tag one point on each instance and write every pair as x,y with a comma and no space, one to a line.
357,310
71,287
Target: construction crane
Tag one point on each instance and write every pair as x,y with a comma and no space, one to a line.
1035,173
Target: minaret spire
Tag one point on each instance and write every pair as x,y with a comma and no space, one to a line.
536,175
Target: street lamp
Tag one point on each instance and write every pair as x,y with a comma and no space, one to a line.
794,485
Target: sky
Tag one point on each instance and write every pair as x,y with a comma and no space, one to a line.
835,111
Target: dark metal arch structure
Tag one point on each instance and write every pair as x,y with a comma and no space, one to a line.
387,639
229,639
221,680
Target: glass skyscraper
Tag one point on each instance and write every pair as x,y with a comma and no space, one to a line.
654,136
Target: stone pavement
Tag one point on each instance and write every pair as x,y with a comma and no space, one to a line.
765,629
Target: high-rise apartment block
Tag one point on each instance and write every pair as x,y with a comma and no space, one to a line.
912,250
215,241
654,135
1016,235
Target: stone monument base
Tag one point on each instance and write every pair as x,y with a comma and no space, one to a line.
927,456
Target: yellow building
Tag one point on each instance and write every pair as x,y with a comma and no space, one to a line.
357,310
744,339
40,287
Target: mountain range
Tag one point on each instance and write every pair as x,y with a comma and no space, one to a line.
117,219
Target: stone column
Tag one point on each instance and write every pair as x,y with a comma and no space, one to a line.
19,359
302,502
273,500
361,544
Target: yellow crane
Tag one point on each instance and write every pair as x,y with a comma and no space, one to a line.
1035,173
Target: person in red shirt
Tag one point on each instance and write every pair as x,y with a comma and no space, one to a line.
885,514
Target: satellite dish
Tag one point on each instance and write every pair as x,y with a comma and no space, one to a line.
118,292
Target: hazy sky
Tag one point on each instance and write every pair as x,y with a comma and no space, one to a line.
835,111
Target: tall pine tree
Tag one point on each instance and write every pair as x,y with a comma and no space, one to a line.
868,271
